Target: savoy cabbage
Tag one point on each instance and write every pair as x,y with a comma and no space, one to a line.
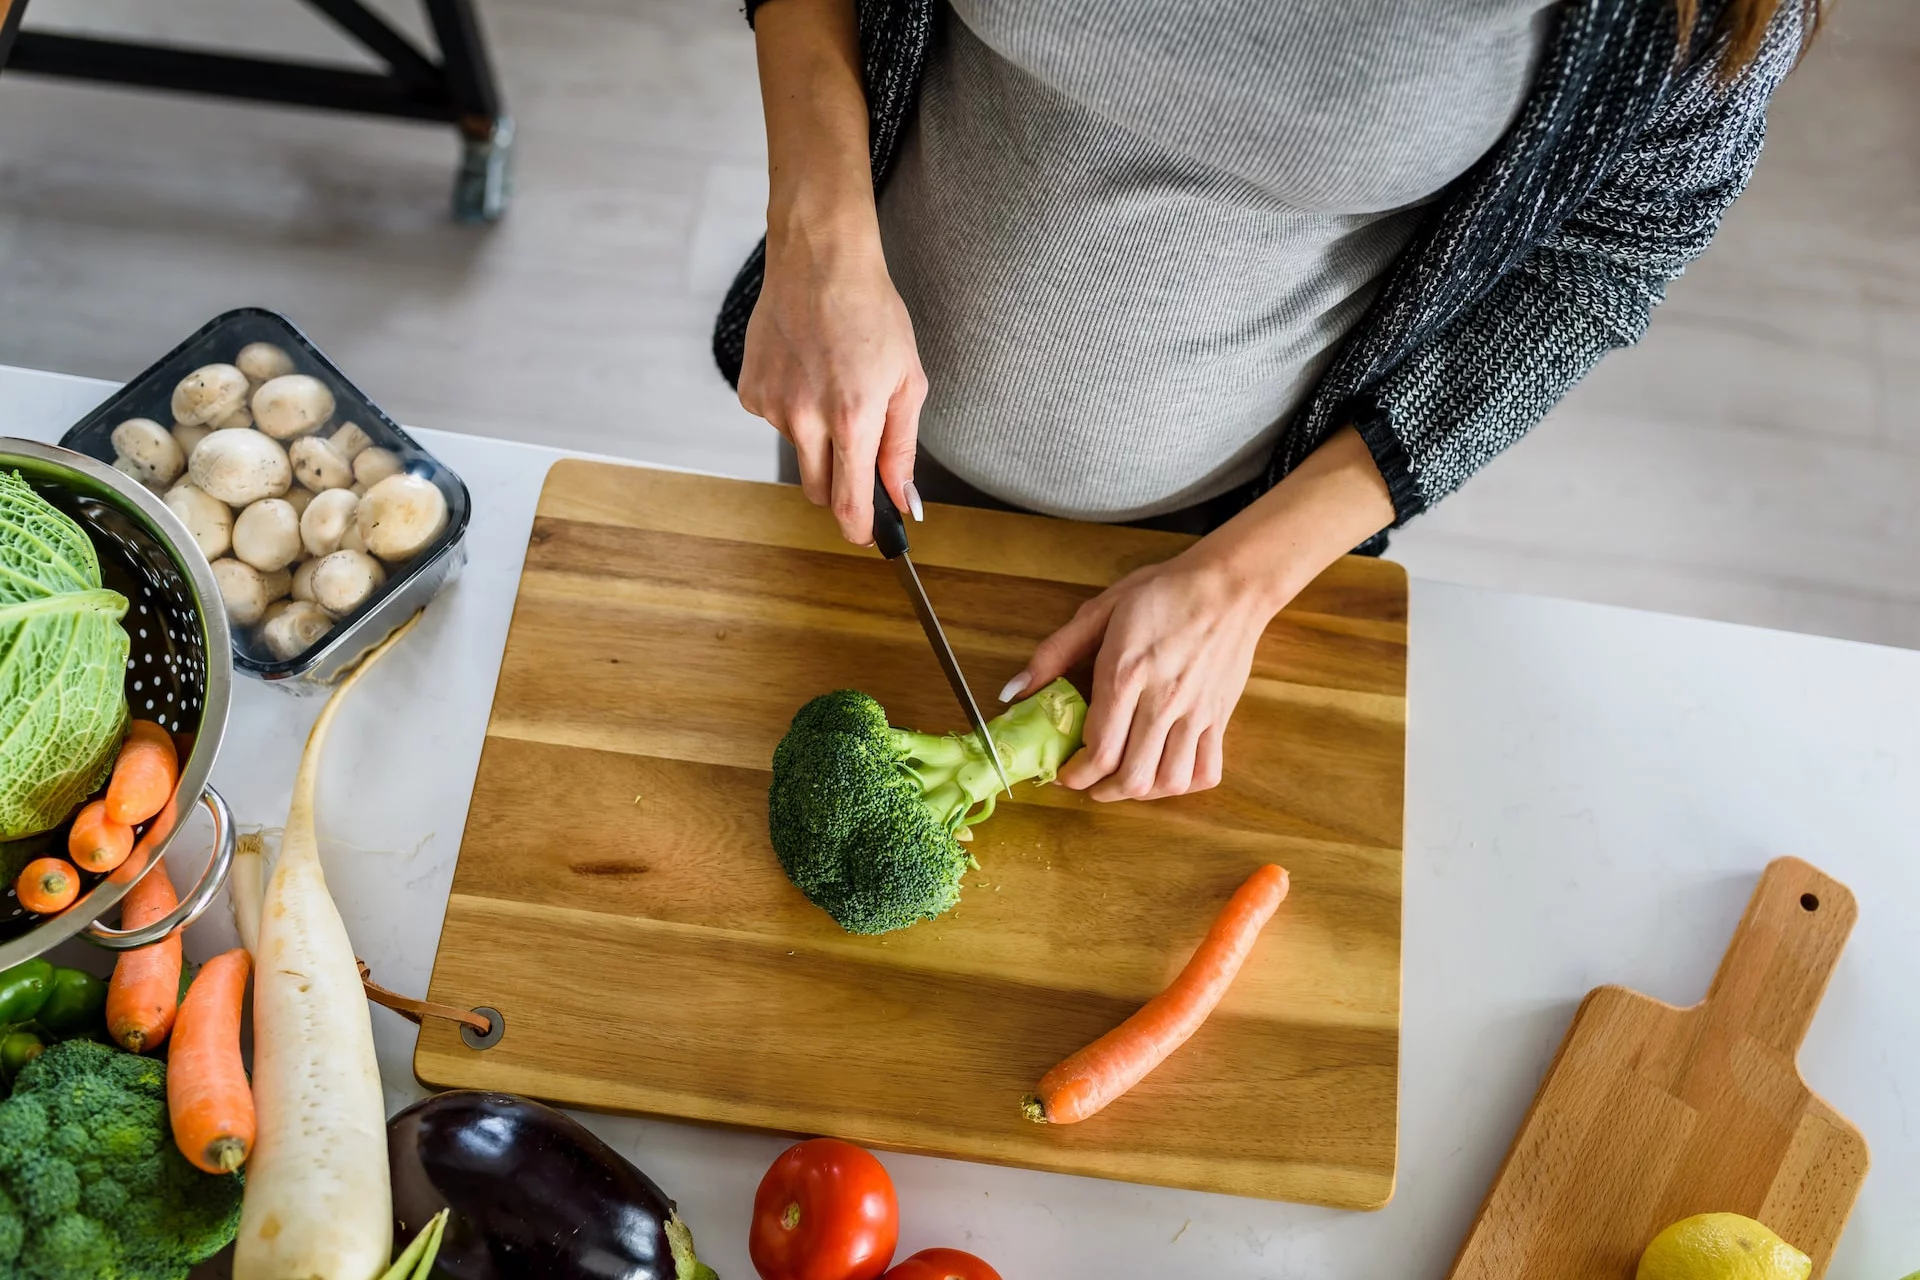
63,663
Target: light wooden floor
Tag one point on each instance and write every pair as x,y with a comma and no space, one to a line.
1757,459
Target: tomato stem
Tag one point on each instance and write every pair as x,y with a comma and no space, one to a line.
791,1218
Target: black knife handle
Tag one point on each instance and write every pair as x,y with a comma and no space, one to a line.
889,530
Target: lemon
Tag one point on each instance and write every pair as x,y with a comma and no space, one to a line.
1721,1246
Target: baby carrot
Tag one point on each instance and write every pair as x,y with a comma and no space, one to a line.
144,993
144,775
97,842
47,885
207,1094
1096,1075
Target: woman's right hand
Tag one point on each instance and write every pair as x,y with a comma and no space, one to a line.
831,363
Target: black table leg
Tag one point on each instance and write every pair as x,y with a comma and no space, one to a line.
458,90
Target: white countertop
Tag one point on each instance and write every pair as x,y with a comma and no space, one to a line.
1591,793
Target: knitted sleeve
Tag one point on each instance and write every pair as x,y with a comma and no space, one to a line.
1587,287
893,48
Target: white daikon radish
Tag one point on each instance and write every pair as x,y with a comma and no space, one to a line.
318,1205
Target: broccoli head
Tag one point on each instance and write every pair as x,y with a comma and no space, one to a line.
91,1185
867,819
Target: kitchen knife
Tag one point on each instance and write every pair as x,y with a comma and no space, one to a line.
890,536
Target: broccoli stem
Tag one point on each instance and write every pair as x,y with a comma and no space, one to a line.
1034,736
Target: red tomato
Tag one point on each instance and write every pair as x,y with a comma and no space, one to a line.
825,1211
942,1264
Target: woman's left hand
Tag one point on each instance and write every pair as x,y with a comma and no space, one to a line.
1175,644
1176,640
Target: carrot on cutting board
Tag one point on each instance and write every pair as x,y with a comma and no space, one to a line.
208,1098
144,775
95,841
1096,1075
47,886
144,993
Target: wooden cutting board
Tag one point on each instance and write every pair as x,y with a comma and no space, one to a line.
1650,1114
616,897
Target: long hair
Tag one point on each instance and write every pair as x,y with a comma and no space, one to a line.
1744,24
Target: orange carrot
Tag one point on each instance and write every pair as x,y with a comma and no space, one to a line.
97,842
144,776
207,1093
144,993
1096,1075
47,885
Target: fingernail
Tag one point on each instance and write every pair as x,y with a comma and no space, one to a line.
913,500
1015,687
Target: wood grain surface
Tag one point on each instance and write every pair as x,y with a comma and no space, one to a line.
616,897
1651,1114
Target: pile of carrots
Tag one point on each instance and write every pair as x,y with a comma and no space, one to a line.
101,837
208,1099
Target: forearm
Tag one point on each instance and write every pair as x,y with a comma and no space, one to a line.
819,179
1328,505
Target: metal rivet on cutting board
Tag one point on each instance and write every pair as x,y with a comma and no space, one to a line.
497,1027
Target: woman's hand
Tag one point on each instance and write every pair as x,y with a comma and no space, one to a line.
830,359
831,363
1175,641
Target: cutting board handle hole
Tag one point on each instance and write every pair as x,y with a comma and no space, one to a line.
1809,902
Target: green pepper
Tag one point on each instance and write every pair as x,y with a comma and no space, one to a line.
23,989
77,1002
17,1049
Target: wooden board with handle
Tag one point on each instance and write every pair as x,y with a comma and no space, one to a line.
616,897
1650,1113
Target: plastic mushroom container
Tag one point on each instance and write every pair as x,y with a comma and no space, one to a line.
326,524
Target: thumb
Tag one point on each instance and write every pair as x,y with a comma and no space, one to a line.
1060,652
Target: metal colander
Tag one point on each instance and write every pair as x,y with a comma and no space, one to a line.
179,673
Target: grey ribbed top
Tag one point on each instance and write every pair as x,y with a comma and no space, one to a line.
1129,235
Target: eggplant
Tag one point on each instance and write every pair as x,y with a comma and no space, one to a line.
533,1194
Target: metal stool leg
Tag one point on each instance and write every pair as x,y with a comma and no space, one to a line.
484,182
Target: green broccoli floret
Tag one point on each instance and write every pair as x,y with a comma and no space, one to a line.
91,1186
867,819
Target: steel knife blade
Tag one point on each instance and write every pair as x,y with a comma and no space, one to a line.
890,536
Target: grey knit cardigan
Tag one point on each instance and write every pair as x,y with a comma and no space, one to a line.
1551,251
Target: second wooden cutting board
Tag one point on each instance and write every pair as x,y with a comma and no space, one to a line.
1650,1114
617,900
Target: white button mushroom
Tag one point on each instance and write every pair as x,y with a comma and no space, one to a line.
296,628
134,472
188,436
326,519
350,441
291,405
401,515
318,465
155,454
372,465
351,539
240,467
208,394
298,498
244,589
267,534
208,519
343,581
262,362
276,584
302,585
241,417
